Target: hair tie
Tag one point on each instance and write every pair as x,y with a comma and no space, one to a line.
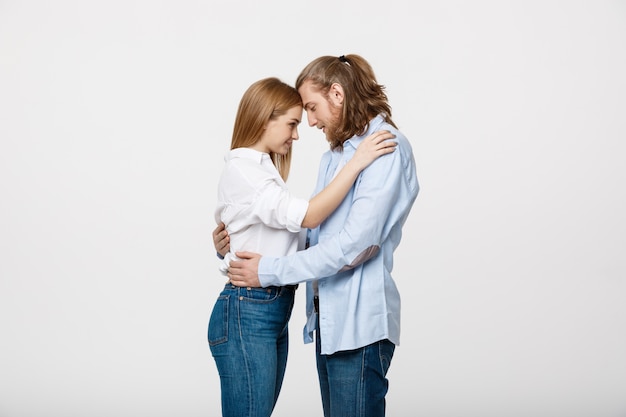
343,59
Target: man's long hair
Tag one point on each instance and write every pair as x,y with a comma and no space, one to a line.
364,98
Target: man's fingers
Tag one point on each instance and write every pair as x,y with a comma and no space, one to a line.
245,255
220,240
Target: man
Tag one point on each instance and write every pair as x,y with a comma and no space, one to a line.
353,305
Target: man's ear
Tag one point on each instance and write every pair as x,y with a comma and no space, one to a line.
335,94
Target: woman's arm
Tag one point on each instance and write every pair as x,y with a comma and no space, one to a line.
325,202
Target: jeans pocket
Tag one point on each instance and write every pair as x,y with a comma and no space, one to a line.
260,295
218,323
386,351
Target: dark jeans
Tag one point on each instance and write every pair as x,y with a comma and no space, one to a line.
353,382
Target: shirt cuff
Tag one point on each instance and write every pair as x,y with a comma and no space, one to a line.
295,214
266,277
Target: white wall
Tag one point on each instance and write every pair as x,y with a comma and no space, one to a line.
115,115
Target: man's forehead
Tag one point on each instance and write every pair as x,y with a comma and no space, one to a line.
309,96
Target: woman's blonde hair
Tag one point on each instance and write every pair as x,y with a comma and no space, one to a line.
265,100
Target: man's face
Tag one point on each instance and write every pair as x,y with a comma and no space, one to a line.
321,111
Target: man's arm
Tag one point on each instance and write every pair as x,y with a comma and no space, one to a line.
244,272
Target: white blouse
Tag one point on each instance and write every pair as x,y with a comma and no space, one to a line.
255,205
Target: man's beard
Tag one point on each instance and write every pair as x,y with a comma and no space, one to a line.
332,129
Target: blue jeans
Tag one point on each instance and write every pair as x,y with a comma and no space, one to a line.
249,340
353,382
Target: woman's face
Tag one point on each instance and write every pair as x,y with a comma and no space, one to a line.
281,132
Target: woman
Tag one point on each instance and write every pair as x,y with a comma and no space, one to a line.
248,327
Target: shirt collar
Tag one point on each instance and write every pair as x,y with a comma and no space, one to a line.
246,153
374,125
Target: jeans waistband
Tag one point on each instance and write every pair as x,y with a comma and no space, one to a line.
288,287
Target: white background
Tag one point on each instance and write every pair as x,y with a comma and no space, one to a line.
114,119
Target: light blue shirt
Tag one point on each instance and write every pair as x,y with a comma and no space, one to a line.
351,253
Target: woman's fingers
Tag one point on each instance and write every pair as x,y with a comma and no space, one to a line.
382,136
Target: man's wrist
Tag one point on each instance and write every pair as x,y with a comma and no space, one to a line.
260,273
